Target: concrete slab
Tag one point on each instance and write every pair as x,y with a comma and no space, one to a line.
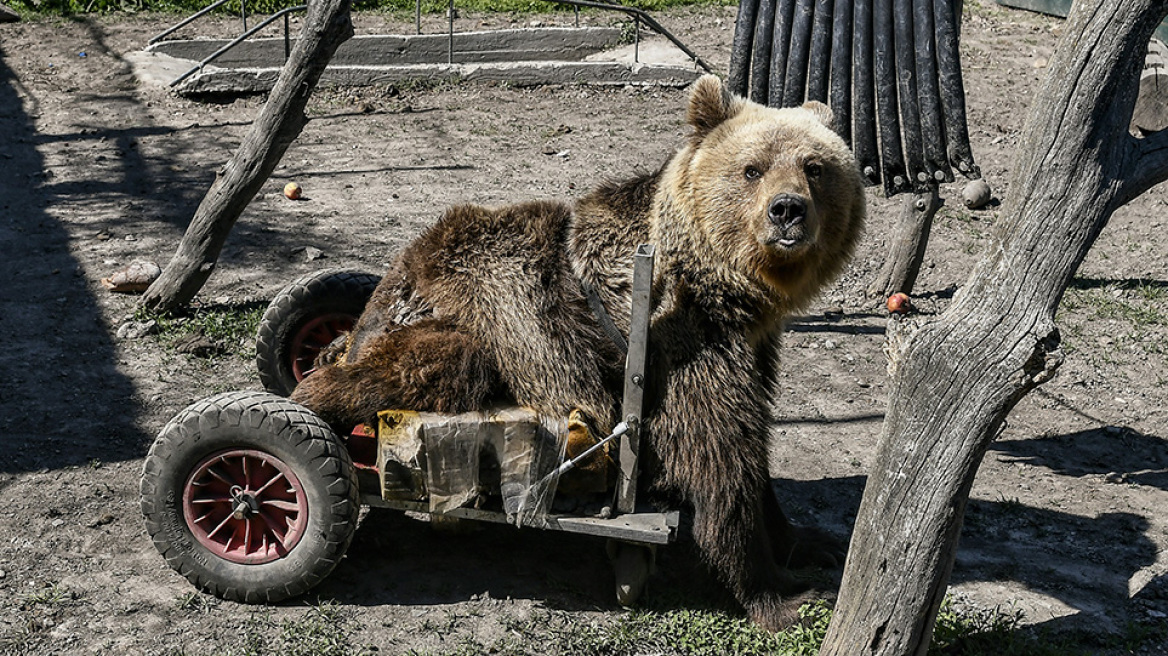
521,57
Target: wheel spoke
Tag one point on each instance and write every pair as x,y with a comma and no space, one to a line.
275,478
221,525
273,527
287,506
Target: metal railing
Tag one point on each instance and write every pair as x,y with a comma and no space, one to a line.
639,16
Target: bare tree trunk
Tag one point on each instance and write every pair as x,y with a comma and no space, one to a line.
326,27
955,378
899,273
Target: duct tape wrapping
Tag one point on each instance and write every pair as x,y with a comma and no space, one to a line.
499,459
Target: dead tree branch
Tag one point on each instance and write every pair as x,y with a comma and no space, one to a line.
326,27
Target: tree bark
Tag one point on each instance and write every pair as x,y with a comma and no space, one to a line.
899,273
956,377
326,27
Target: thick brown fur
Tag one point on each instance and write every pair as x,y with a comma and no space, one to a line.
486,306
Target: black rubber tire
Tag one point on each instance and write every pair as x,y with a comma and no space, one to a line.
278,428
320,294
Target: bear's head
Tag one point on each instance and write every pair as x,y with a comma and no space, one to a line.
775,193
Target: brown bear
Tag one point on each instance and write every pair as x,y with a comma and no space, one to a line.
751,218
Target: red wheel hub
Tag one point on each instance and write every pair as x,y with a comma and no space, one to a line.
314,336
245,506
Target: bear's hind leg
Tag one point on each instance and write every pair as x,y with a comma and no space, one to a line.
428,366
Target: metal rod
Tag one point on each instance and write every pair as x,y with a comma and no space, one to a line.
795,86
287,41
418,16
760,70
649,21
568,465
636,40
818,63
884,65
239,39
187,21
243,13
780,45
864,93
740,48
450,33
929,93
841,68
952,89
910,113
577,11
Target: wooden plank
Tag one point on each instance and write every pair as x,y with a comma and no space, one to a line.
634,396
645,527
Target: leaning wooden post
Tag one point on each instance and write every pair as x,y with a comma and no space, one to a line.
326,26
909,241
956,377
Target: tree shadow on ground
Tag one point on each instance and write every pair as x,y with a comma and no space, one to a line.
56,409
1117,454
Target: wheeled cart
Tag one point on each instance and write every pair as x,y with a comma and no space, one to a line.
254,498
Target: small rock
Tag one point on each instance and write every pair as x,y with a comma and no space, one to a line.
58,523
198,346
102,521
834,313
311,254
136,277
1115,477
1040,62
1155,614
976,194
136,329
3,574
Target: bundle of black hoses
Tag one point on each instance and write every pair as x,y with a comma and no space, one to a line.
889,70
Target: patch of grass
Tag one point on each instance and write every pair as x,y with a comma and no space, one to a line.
52,595
196,601
230,329
326,629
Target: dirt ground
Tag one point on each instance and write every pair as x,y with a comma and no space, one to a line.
1066,521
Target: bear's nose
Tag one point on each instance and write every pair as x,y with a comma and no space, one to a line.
787,210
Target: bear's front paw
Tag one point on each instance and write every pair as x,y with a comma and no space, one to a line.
776,613
811,547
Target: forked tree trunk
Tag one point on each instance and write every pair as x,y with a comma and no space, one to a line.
326,27
955,378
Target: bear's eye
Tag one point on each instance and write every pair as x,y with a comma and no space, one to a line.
812,170
752,173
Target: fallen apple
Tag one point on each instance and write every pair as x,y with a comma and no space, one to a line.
292,191
899,303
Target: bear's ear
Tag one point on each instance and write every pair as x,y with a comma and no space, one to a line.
821,112
710,103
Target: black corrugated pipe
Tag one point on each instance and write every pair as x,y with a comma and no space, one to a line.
864,93
952,89
794,89
906,77
781,37
929,93
819,62
739,74
841,68
760,59
892,155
